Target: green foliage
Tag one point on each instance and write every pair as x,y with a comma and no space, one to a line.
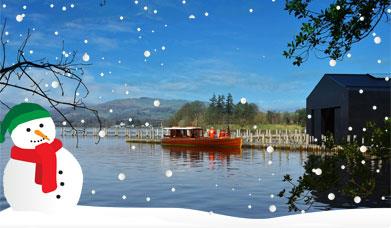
333,30
223,111
354,179
189,114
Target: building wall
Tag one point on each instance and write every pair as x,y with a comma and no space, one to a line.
327,94
361,108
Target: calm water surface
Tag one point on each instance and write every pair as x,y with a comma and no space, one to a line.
236,183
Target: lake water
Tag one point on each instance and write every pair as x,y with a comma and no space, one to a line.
236,183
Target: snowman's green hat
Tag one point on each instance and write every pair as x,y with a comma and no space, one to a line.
19,114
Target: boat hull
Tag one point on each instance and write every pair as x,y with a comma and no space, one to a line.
203,142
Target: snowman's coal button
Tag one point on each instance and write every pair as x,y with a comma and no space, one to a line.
62,183
60,172
58,196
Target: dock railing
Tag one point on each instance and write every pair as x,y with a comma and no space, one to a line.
283,139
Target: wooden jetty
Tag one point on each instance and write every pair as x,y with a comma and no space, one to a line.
297,140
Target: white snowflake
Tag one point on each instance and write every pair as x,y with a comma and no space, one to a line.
357,199
192,17
19,18
102,133
332,62
147,54
121,176
55,84
86,57
272,208
156,103
309,116
270,149
331,196
377,40
206,14
363,149
168,173
243,100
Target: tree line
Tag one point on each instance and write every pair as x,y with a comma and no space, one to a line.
221,110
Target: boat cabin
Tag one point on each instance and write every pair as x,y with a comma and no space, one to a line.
184,132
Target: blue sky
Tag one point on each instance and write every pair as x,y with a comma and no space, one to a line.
230,50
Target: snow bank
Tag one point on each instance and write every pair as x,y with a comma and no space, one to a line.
84,216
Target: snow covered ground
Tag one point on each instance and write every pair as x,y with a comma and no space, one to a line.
84,216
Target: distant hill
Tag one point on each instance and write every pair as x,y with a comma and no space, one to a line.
141,110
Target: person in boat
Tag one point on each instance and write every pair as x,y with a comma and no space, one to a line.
223,134
212,133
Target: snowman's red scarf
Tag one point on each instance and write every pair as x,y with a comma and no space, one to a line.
44,156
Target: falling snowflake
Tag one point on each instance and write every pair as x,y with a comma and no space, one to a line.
206,14
102,74
377,40
251,10
145,8
163,48
121,18
338,7
56,33
270,149
124,197
148,199
343,167
55,84
272,208
363,149
362,18
121,176
331,196
19,18
363,162
82,121
64,123
111,110
156,103
387,79
192,17
255,127
349,55
64,8
146,124
318,171
269,162
309,116
168,173
243,100
155,11
147,53
361,91
183,1
102,133
86,41
357,199
51,5
332,62
350,129
93,192
374,107
173,189
249,206
86,57
379,61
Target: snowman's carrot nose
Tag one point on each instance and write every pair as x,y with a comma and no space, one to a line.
39,133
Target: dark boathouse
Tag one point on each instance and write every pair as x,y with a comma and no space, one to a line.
342,104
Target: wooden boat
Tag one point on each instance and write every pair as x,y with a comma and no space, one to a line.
194,137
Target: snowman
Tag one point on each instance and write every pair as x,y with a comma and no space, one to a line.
41,174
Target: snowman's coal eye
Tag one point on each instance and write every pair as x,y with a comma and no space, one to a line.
41,125
28,129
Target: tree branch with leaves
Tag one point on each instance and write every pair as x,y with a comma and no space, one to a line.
331,32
